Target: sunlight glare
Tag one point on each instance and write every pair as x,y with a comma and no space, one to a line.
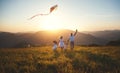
51,22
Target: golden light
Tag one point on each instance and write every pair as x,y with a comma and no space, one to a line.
51,22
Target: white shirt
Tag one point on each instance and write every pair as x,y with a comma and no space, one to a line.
71,38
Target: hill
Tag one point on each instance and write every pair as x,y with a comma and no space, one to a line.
41,38
108,35
114,43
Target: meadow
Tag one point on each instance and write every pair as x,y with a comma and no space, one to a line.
44,60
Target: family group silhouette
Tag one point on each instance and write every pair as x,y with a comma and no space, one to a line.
64,44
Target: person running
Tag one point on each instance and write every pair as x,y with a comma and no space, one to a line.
71,39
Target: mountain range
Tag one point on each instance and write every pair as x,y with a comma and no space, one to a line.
40,38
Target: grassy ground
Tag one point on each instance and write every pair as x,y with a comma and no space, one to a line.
44,60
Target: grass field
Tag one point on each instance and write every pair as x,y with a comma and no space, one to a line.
44,60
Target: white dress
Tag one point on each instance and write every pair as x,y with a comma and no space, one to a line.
61,43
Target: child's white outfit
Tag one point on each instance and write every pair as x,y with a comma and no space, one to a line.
54,46
61,43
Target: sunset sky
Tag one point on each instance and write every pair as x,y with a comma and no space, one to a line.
84,15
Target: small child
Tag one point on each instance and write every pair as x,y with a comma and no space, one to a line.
61,43
54,45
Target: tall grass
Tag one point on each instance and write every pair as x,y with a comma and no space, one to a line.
45,60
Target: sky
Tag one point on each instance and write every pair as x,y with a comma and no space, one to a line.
84,15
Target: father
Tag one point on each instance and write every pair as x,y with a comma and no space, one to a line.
71,39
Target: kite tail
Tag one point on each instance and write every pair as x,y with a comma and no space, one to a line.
45,14
51,9
34,16
38,15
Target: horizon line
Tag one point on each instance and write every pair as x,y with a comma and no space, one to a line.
59,30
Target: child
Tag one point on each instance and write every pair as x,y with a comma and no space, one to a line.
61,43
54,45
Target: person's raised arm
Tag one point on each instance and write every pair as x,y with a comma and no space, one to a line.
75,32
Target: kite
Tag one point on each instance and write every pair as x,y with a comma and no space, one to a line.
51,10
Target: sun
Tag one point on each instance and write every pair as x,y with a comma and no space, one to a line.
51,22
